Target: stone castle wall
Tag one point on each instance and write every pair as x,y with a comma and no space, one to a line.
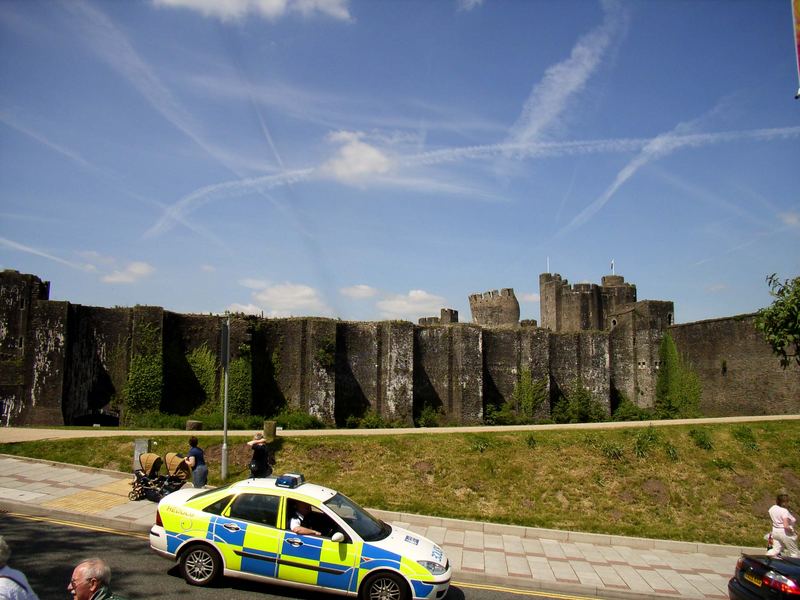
68,364
739,373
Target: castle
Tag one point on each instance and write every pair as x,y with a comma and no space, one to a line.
62,363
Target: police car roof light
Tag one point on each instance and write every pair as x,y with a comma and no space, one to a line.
290,480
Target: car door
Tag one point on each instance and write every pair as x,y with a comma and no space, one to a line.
318,560
247,533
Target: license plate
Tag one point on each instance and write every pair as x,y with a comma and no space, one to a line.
756,581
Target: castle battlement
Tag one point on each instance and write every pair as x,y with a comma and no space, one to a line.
446,317
581,306
495,307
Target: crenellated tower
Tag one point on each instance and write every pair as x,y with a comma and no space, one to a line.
495,308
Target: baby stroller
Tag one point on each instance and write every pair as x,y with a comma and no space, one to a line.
147,481
178,473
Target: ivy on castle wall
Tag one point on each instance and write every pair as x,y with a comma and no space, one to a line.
326,354
240,383
145,385
204,365
678,388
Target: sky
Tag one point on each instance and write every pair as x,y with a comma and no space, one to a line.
384,159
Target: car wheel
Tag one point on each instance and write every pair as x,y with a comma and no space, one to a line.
200,565
384,586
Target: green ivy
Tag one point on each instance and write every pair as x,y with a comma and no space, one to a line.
326,354
145,383
678,387
205,367
578,406
240,386
529,395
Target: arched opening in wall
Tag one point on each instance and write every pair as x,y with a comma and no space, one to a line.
669,318
613,322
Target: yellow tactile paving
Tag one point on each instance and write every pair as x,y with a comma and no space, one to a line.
121,487
89,502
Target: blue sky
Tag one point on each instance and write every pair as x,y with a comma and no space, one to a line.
382,159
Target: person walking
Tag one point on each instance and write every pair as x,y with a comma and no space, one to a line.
784,535
91,580
13,583
196,459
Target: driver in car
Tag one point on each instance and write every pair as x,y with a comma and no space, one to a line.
296,524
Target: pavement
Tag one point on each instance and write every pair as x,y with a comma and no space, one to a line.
547,560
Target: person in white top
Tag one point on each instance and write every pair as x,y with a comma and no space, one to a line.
784,536
13,584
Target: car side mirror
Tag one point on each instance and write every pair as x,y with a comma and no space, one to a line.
338,537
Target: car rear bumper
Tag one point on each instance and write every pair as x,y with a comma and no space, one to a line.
737,591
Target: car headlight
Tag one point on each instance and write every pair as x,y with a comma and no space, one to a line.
433,568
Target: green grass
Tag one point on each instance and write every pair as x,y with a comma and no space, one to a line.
711,483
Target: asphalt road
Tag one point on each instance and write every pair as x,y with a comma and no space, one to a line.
47,551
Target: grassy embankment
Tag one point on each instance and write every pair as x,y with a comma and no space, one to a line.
703,483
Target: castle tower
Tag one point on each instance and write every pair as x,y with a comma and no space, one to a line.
583,306
495,308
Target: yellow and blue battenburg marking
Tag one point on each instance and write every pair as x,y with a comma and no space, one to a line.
277,553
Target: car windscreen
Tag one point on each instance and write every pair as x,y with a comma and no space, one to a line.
365,525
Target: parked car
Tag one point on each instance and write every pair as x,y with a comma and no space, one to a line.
242,530
762,577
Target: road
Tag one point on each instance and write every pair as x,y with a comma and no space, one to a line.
47,550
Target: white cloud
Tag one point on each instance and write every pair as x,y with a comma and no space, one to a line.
208,268
468,5
412,306
130,274
29,250
248,309
254,284
792,219
561,82
532,297
355,159
291,299
234,10
359,292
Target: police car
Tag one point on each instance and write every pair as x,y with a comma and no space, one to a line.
243,530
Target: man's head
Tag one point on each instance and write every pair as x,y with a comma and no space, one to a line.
5,552
89,576
303,508
193,441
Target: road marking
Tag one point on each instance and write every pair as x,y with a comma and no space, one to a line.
518,592
78,525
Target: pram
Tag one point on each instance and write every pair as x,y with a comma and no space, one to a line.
147,481
178,473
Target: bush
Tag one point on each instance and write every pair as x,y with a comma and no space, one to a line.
430,417
295,419
628,411
578,406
